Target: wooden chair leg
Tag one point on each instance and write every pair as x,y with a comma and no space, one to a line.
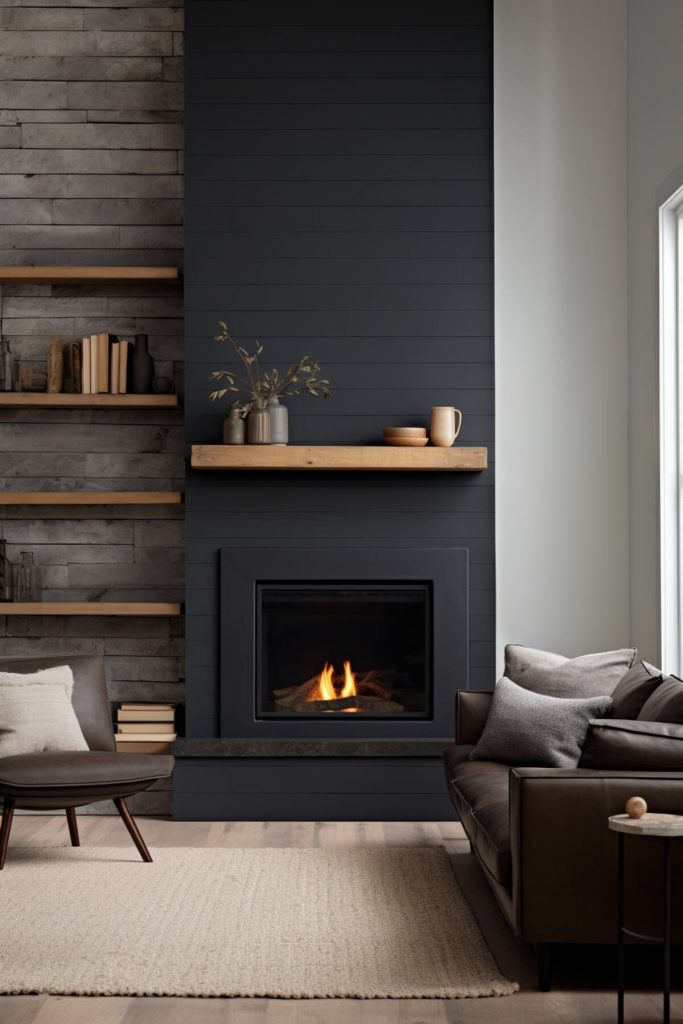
5,828
133,829
73,826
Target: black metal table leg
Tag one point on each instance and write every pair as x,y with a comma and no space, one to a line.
620,927
666,1015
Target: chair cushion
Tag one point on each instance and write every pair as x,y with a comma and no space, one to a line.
480,792
89,697
36,713
48,772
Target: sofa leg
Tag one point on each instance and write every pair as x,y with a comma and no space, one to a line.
134,831
544,963
6,828
73,826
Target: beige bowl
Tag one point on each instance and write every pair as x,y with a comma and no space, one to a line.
406,442
405,431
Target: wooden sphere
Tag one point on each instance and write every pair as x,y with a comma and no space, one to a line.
636,807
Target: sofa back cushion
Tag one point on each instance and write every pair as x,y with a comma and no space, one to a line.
634,689
36,713
590,675
532,730
665,704
625,745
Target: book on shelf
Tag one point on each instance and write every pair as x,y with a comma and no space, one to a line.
137,727
133,715
114,368
103,357
94,364
123,366
135,706
144,743
85,368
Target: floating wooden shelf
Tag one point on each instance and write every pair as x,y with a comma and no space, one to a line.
43,400
91,498
131,608
320,457
85,275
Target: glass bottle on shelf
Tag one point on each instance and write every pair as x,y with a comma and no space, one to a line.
5,573
26,579
6,366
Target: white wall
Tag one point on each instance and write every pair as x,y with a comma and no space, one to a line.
561,324
655,41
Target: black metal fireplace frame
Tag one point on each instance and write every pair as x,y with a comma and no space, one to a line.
241,568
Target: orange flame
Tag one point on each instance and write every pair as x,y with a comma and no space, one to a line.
349,688
326,689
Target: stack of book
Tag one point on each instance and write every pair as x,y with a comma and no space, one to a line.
104,365
145,728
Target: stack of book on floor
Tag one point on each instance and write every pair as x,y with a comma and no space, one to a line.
103,365
145,728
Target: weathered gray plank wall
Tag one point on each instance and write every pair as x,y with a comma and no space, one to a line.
91,173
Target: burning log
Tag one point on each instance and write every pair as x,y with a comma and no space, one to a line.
359,703
329,692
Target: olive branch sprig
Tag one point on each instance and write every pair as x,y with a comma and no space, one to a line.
301,376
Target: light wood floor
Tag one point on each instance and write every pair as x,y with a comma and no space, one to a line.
583,991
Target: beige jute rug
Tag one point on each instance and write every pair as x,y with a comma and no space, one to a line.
289,923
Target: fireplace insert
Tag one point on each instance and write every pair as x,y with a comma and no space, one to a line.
361,641
347,648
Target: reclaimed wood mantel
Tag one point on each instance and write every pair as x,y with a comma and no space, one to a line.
362,458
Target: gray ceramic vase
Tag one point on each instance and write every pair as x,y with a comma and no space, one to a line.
233,428
279,421
258,423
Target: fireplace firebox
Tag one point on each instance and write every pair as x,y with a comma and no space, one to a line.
358,642
343,648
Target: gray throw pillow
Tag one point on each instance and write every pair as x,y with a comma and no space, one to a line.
36,712
531,730
634,689
590,675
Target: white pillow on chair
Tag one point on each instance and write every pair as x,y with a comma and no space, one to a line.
36,712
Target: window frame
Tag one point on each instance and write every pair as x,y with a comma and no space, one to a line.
671,430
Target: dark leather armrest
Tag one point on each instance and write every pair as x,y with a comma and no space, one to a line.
633,746
471,711
564,855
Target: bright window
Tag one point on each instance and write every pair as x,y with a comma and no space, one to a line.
671,429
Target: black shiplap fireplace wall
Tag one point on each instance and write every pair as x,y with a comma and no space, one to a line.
339,203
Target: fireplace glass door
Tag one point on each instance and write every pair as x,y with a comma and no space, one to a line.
347,649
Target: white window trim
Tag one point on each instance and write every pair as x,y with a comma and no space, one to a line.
671,428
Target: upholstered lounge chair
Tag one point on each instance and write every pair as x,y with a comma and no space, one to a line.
66,780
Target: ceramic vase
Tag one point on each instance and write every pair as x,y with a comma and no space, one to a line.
258,423
279,421
445,425
233,428
142,367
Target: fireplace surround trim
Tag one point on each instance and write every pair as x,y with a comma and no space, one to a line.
241,568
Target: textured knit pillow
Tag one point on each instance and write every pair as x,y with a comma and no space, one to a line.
590,675
633,690
665,704
531,730
36,713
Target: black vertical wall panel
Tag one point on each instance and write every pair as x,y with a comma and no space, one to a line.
339,203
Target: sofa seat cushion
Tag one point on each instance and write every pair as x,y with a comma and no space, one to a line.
91,770
480,792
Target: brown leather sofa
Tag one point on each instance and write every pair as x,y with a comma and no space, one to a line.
66,780
541,835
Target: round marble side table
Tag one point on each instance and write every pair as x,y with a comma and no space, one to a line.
667,827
